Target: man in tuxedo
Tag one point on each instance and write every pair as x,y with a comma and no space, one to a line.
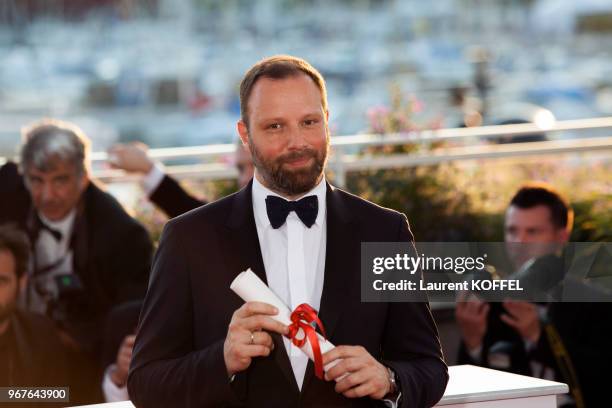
88,253
163,190
199,345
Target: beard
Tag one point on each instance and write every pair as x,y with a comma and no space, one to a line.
288,181
7,310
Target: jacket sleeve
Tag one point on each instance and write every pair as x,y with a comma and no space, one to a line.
166,370
14,197
411,346
172,199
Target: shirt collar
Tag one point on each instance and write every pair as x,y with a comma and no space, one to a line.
64,225
260,192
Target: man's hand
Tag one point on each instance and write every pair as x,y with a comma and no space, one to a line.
246,338
132,157
471,314
365,376
524,318
124,356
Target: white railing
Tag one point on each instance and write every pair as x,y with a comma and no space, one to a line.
466,144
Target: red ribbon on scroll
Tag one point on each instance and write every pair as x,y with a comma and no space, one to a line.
301,318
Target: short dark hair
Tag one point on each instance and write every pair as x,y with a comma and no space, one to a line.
278,67
16,242
534,194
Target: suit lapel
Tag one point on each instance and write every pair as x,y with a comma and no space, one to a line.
80,241
243,233
340,229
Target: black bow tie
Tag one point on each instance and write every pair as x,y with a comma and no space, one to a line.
42,226
278,209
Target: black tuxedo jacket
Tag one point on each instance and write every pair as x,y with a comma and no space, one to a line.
39,357
112,254
178,355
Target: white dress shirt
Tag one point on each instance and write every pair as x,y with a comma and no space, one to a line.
294,259
112,392
49,251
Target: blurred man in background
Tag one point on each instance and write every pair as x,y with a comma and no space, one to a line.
556,341
88,253
539,217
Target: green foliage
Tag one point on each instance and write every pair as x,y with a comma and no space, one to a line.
593,220
435,210
466,202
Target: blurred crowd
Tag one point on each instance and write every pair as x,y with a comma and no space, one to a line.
74,268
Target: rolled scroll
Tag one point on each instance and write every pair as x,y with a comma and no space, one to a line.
250,288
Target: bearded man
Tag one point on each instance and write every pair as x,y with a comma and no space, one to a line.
199,345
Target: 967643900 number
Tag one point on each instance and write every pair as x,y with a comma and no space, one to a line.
34,394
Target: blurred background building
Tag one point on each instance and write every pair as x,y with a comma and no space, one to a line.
166,72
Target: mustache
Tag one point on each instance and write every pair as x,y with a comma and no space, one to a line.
303,154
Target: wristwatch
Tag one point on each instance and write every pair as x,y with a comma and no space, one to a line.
394,391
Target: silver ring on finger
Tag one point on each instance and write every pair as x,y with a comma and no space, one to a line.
252,338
